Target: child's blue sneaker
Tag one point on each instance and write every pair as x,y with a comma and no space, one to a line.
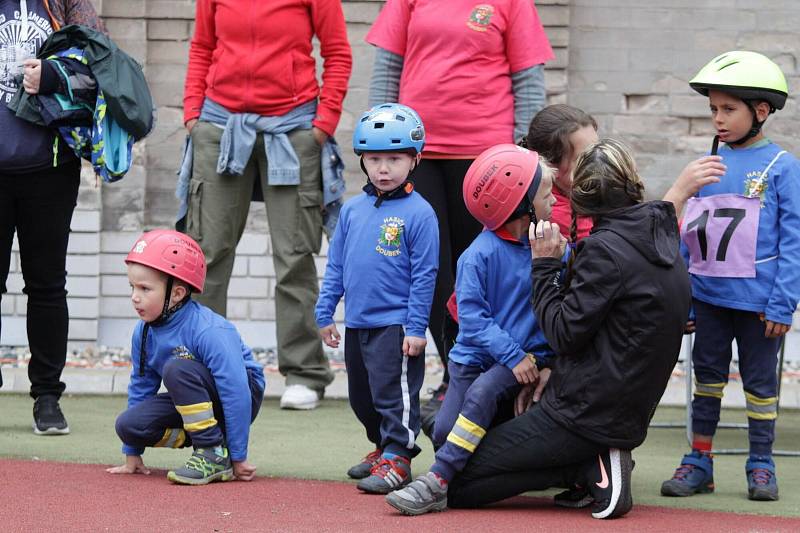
762,484
695,475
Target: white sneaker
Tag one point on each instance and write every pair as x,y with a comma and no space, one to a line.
299,397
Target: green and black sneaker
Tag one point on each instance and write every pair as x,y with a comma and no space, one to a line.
204,466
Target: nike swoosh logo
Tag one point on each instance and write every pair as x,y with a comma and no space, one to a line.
604,477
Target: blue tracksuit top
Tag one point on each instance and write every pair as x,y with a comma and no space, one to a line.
197,332
384,261
495,316
776,288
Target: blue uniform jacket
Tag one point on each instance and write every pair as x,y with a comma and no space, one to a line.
776,288
197,332
495,315
384,261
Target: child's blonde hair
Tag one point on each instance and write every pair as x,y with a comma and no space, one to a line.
605,179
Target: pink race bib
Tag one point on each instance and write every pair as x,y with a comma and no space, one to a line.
721,232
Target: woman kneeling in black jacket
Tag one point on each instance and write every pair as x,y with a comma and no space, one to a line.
616,323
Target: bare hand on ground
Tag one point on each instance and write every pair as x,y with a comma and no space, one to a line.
243,470
133,465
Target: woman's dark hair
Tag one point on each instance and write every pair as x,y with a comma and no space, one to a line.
605,179
550,129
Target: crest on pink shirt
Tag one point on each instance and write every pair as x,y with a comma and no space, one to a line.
480,17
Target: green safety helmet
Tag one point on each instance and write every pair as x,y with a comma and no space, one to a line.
746,75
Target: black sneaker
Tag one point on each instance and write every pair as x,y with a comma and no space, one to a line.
608,478
576,497
48,418
430,409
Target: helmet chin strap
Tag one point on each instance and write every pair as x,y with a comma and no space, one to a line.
166,312
755,127
388,194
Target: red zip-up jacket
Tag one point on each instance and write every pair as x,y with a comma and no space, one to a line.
252,56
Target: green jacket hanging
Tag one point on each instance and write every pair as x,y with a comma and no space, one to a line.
118,75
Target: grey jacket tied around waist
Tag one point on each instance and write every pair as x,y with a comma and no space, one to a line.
240,131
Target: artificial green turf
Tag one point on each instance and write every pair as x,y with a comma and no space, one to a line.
323,443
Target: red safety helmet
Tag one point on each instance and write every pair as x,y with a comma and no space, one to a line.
172,253
497,182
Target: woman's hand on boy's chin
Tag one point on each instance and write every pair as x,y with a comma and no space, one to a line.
546,240
243,470
133,465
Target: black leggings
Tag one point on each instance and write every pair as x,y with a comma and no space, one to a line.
39,206
440,181
527,453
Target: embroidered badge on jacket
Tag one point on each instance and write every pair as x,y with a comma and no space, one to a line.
755,186
182,352
390,237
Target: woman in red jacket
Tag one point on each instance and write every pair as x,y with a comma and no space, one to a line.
258,117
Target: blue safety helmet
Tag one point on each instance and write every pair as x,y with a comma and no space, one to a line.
389,128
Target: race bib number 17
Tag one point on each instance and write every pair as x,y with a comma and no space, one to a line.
721,233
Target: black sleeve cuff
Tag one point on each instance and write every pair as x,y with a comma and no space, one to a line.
50,80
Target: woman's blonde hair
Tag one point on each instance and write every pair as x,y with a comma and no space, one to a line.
604,180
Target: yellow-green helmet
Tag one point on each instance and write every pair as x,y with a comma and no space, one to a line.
746,75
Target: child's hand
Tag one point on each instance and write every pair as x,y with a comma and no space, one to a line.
698,174
775,329
133,465
330,335
546,240
243,470
414,346
525,371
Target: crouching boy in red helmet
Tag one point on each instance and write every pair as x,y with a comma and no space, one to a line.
214,386
500,347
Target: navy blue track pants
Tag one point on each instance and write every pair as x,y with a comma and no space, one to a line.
157,422
717,327
384,386
470,405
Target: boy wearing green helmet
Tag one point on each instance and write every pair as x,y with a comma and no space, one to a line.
741,238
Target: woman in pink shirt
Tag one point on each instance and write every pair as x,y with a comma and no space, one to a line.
474,72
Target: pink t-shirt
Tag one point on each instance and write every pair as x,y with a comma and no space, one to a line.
562,215
458,59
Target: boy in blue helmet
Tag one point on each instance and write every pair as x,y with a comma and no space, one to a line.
384,258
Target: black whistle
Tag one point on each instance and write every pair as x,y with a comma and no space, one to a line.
715,145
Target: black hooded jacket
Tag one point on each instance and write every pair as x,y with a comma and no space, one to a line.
617,330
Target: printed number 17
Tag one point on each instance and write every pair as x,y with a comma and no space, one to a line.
736,216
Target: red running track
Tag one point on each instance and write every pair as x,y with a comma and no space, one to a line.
46,496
